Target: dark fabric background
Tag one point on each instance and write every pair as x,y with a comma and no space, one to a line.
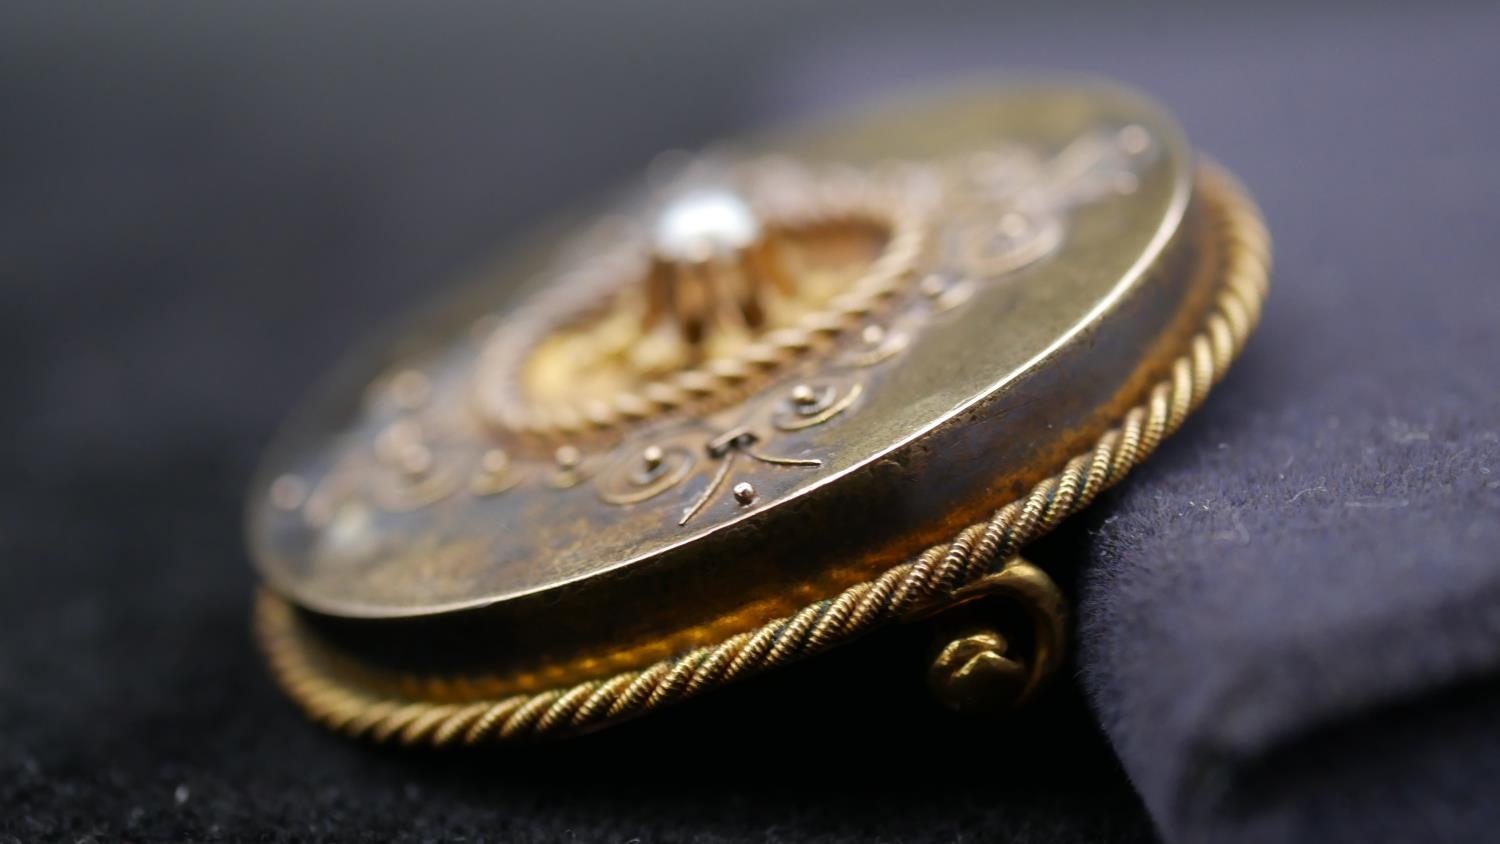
1290,619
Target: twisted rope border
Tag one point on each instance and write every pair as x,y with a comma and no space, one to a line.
343,703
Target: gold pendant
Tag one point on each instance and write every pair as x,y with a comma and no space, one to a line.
785,392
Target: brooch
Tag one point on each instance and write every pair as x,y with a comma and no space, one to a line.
781,393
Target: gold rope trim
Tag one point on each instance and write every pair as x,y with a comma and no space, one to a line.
341,702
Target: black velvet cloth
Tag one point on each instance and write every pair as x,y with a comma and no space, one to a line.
1289,618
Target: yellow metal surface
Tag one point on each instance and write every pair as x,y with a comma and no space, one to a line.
744,399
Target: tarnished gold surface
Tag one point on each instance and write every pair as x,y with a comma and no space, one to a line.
617,452
440,706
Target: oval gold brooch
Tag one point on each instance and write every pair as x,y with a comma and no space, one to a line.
782,393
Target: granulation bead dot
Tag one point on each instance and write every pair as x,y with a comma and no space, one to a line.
652,456
568,457
495,461
415,460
